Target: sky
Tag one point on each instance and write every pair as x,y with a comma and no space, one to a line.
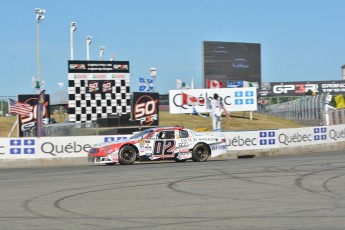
301,40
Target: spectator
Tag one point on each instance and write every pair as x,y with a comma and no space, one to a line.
216,110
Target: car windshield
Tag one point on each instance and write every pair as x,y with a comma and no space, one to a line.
142,134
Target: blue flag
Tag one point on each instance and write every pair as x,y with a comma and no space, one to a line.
145,85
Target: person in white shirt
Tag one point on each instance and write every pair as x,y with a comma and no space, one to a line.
327,109
216,110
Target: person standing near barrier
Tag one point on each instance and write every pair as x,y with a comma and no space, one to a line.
328,107
216,110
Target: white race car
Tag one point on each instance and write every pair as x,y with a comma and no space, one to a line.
164,143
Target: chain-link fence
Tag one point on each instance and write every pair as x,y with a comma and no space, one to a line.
67,129
307,110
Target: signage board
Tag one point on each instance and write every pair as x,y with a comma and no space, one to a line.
233,99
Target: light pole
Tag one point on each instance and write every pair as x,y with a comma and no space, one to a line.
72,28
101,52
39,17
153,74
88,42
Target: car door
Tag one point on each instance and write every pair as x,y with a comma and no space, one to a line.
165,144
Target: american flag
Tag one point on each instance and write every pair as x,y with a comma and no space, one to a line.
19,108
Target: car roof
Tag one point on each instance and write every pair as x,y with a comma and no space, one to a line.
168,128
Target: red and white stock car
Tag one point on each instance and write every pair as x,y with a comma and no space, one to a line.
164,143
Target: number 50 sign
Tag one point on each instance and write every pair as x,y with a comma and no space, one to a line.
145,108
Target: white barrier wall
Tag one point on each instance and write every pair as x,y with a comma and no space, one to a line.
51,147
283,138
56,147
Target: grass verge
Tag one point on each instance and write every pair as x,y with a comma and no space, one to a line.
238,121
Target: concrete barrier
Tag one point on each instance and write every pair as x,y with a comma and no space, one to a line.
72,151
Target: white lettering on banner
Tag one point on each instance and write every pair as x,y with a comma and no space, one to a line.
295,138
333,90
149,118
334,85
297,88
282,88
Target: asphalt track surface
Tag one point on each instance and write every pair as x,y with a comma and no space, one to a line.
287,192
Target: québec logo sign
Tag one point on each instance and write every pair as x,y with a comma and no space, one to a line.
22,146
267,138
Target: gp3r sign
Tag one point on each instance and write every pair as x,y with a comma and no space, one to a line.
295,88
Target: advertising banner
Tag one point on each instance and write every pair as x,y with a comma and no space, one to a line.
75,66
48,147
78,146
28,122
146,108
98,76
279,89
233,99
283,138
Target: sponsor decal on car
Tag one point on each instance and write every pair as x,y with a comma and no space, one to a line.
218,147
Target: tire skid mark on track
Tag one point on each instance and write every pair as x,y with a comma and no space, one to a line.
326,187
57,203
228,176
299,181
60,198
173,185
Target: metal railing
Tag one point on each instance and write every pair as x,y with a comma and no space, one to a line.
67,129
307,109
336,117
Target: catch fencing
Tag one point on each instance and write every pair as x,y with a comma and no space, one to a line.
308,110
336,117
67,129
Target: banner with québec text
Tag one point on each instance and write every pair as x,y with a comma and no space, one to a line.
233,99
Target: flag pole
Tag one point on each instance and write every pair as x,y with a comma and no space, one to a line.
14,125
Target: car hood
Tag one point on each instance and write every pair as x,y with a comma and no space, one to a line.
100,145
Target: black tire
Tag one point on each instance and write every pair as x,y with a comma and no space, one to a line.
201,152
127,155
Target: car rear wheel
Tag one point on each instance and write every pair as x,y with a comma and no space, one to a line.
201,152
127,155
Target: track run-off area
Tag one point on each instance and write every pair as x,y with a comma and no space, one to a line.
286,192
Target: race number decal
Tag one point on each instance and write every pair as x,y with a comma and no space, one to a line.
164,147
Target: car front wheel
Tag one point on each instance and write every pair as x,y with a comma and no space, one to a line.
201,152
127,155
